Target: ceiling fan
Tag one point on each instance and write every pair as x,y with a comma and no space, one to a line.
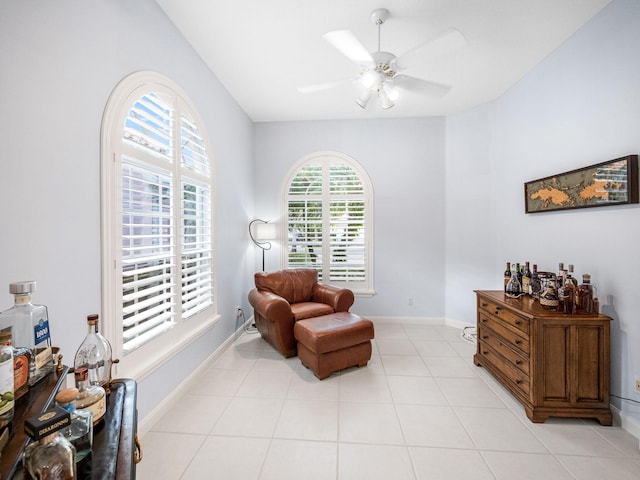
379,70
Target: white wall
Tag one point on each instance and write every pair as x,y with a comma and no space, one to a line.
405,161
579,107
60,61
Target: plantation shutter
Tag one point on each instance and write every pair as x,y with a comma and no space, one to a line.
348,228
327,222
166,216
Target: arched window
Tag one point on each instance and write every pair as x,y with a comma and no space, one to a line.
157,216
329,220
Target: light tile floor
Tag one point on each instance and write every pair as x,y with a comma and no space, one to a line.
419,410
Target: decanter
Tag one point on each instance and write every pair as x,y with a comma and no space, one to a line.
95,355
91,397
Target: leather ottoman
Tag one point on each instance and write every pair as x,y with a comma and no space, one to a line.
333,342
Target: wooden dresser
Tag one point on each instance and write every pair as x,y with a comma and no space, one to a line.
556,365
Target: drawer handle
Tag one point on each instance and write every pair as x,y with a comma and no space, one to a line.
484,337
484,320
497,312
518,362
484,304
485,353
518,382
137,455
518,342
517,322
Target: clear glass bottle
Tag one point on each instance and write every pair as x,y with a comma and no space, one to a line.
90,396
29,326
80,431
50,455
7,396
94,354
514,287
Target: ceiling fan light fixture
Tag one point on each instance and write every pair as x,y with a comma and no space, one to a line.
364,98
391,91
385,102
370,79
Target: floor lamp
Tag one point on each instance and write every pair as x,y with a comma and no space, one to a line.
261,234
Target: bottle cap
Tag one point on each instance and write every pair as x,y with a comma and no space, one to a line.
81,374
92,319
22,287
67,395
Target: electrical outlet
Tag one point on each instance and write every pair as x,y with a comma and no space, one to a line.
637,385
238,311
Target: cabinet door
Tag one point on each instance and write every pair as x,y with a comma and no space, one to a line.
572,364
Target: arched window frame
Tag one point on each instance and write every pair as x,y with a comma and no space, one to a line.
360,246
138,360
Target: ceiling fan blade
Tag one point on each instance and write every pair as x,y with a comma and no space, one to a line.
446,43
318,87
347,44
424,87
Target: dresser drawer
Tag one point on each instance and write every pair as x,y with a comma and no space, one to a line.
511,319
519,361
517,378
516,340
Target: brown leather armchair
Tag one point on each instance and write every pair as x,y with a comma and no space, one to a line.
284,297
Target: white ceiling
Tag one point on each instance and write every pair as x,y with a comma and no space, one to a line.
263,50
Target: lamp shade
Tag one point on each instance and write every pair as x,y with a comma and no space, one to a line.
265,231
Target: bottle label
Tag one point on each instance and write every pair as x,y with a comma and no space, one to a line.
97,409
6,385
41,332
43,357
20,371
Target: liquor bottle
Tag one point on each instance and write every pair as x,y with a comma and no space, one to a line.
90,397
94,354
584,297
561,293
526,279
519,274
49,455
80,430
536,284
29,327
560,275
7,396
568,295
507,275
514,287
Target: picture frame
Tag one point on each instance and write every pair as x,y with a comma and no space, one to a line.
614,182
